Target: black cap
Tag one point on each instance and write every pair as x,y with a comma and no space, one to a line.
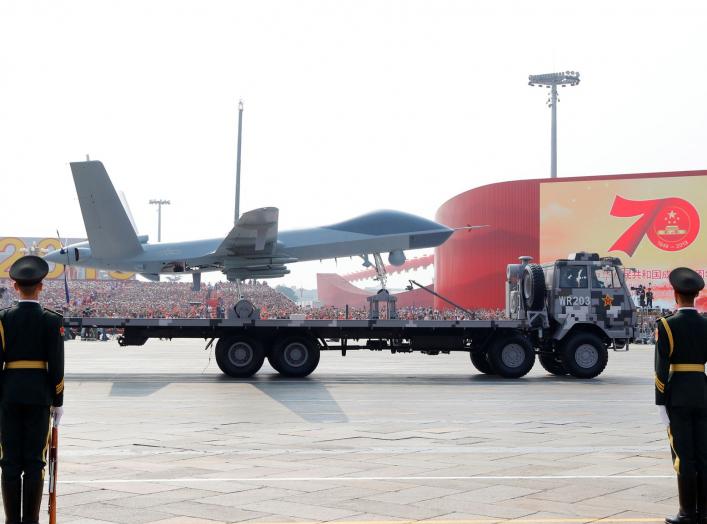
686,281
29,270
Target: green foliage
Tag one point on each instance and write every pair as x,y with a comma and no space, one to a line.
288,292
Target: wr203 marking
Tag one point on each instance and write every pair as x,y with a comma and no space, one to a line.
574,300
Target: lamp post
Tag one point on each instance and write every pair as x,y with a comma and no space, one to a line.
159,204
551,81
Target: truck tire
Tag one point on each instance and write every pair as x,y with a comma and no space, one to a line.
552,365
480,361
274,363
239,357
295,356
533,287
584,355
512,356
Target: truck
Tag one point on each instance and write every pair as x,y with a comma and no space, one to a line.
567,314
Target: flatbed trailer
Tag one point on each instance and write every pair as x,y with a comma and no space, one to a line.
567,314
504,347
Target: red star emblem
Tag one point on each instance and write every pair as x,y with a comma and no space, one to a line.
608,301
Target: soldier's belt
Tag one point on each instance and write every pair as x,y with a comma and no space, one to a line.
26,364
700,368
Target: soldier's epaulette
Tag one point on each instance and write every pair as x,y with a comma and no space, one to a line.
54,312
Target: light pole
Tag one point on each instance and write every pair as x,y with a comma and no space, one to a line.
551,81
159,204
238,164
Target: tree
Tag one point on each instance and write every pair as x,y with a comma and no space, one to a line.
288,292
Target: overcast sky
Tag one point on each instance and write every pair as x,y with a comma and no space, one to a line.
349,106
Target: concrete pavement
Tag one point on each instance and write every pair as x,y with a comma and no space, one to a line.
157,435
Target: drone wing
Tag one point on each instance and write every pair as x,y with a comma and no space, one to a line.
254,235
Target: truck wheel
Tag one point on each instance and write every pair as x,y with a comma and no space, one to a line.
295,357
533,287
239,357
584,355
274,363
512,356
550,363
480,361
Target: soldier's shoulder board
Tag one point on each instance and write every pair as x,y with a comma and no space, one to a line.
52,312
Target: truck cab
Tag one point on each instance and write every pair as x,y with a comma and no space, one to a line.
584,305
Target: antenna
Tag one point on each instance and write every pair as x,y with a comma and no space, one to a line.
238,163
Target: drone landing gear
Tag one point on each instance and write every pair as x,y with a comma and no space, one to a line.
381,275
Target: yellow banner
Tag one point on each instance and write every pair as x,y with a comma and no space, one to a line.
649,222
652,224
12,248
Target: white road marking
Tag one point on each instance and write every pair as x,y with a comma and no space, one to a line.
266,480
441,450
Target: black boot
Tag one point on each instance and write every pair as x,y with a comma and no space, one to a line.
687,495
32,487
701,499
12,500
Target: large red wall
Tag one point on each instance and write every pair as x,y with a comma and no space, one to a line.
470,267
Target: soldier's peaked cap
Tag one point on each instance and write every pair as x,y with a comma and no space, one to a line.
686,281
29,270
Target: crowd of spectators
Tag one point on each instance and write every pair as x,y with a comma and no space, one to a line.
138,299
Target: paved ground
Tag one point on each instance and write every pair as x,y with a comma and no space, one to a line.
157,434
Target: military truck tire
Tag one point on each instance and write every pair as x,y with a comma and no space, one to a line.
295,356
550,363
584,355
512,356
239,357
274,363
480,361
533,287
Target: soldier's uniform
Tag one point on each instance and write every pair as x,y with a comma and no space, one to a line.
32,380
681,386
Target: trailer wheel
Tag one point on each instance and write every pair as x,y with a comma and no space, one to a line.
295,356
512,356
239,357
584,355
550,363
480,361
533,287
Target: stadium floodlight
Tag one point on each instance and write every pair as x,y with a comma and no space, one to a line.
551,81
159,204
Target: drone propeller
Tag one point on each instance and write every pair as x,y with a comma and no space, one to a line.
468,227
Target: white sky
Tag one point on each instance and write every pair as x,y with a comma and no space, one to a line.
350,106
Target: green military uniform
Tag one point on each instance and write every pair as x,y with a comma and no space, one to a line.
681,386
32,380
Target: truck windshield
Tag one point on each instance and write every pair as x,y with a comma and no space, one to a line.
605,278
572,277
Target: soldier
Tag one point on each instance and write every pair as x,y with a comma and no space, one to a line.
32,390
681,394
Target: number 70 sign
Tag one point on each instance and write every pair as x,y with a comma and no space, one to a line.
671,224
